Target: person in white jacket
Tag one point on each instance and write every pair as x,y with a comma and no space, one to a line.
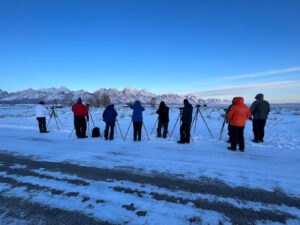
41,112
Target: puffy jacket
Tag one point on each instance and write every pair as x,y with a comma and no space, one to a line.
187,113
260,109
40,111
238,113
163,112
109,115
137,115
80,109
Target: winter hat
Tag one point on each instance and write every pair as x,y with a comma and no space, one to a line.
79,100
185,101
259,96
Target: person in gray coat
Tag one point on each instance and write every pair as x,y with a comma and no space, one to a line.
260,110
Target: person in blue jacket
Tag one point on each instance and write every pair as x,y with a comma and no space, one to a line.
137,119
109,117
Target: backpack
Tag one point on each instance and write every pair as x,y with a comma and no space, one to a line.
96,132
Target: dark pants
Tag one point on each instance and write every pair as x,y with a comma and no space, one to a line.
110,126
185,134
230,133
42,123
259,129
137,130
165,127
237,137
80,126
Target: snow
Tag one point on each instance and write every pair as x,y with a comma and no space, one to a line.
274,164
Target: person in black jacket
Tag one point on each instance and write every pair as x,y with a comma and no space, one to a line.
163,119
109,117
227,121
260,110
186,120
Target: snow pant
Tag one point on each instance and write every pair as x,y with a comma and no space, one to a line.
42,124
185,134
110,126
259,129
137,130
230,132
80,126
237,137
165,127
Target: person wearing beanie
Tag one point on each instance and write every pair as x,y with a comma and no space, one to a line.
237,116
41,112
260,110
81,116
186,121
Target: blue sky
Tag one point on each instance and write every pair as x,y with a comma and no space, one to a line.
211,48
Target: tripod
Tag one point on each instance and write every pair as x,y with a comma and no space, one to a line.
196,119
54,115
129,128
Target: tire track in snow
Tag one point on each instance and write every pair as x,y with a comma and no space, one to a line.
203,186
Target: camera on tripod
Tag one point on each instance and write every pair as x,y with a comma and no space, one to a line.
198,106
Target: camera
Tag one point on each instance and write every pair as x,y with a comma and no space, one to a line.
180,108
198,106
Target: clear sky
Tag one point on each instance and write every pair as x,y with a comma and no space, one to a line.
214,48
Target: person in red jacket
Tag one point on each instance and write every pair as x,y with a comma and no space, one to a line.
237,116
80,113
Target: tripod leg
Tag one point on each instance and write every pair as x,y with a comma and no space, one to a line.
174,127
196,122
154,125
221,131
92,118
58,119
146,131
120,129
206,124
194,118
127,130
49,120
56,122
71,132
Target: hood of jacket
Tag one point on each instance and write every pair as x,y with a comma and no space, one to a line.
110,107
137,103
238,100
259,97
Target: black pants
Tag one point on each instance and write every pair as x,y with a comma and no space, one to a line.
165,127
80,126
237,137
230,133
110,126
185,134
42,123
259,129
137,130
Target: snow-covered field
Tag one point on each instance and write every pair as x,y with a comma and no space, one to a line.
56,179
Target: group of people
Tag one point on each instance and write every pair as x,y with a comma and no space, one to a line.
237,115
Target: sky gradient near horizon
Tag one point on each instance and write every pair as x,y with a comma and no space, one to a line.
212,48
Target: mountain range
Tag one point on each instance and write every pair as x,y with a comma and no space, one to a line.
63,95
